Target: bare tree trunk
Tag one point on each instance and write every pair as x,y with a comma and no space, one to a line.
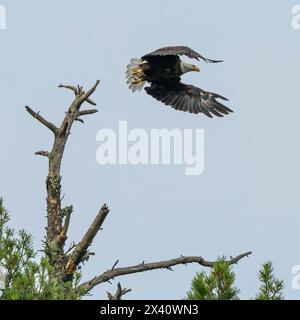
56,215
66,262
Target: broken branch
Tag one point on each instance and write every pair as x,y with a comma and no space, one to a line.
43,153
74,89
85,112
42,120
80,250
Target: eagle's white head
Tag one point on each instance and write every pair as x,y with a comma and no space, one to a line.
186,67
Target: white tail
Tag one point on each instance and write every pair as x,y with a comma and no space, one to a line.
135,74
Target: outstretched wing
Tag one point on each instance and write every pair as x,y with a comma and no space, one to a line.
179,51
189,98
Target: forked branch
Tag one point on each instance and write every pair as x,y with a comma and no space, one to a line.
80,93
119,293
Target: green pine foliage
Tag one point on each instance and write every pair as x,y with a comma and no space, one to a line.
219,284
270,288
23,276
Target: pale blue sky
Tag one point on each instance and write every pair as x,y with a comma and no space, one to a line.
248,196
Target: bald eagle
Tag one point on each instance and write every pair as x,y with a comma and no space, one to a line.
162,69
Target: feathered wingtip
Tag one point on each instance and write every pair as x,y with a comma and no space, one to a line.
135,74
212,61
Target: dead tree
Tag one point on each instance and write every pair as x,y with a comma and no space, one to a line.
66,262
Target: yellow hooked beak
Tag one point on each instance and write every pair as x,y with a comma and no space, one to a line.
195,68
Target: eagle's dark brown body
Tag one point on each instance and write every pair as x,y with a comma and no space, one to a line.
162,69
